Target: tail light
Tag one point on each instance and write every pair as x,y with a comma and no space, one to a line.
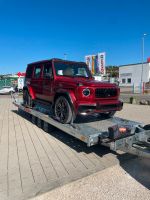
117,131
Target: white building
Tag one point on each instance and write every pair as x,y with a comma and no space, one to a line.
131,75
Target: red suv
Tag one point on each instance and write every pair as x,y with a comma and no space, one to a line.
70,89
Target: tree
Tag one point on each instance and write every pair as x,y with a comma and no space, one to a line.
112,71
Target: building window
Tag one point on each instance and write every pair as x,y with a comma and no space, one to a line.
129,80
123,80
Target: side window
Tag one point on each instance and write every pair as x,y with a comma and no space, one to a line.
29,71
37,72
47,72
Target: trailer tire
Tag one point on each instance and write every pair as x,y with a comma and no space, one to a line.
62,110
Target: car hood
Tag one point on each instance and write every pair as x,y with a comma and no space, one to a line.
85,82
95,83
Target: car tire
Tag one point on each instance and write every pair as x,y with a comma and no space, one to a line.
108,114
63,111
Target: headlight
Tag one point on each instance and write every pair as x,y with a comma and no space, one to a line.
86,92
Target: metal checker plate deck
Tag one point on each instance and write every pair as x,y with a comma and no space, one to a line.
92,125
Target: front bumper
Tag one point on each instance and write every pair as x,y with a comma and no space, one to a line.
100,107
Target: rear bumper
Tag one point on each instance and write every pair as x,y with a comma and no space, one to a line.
100,107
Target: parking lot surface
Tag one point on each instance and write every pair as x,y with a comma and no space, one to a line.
33,161
119,182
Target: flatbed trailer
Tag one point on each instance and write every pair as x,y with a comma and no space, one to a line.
115,133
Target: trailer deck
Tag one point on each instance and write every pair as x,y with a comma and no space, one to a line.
95,130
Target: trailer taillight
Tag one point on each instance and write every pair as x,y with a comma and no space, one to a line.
122,130
117,131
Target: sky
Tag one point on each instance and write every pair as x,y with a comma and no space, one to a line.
33,30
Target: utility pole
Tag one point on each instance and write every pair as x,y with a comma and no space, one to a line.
143,37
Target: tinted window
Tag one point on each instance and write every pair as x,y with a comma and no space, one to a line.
29,71
71,69
47,72
37,72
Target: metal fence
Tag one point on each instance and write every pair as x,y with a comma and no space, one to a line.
136,89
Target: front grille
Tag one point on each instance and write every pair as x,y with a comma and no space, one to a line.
105,92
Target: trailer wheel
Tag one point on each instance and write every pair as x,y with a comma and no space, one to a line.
33,119
62,110
47,127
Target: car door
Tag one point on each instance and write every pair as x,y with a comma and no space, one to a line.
47,82
37,81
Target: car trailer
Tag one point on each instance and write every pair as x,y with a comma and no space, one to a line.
115,133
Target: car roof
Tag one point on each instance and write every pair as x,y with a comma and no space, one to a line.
55,59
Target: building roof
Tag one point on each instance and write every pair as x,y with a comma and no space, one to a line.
133,64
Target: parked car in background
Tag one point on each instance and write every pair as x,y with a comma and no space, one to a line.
7,90
69,88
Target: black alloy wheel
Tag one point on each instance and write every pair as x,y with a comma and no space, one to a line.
62,110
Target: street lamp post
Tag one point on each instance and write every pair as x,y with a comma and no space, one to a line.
142,59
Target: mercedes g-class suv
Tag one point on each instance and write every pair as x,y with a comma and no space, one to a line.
69,88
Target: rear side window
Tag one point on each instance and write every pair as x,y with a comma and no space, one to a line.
37,72
29,72
47,72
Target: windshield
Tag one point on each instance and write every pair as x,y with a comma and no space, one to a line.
72,70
